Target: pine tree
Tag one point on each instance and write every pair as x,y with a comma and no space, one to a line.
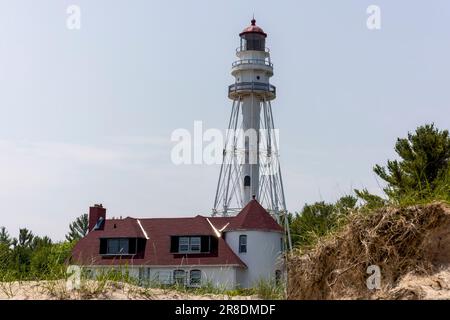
78,229
39,242
4,237
25,238
424,162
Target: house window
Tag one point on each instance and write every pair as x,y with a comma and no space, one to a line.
281,244
194,244
164,277
195,277
142,276
242,243
189,244
180,277
277,277
117,246
183,245
121,246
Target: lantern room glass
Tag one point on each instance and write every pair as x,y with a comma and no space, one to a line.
253,41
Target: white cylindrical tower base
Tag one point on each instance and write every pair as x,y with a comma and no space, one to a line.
263,256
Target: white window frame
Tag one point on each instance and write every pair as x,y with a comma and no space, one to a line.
186,244
197,245
198,281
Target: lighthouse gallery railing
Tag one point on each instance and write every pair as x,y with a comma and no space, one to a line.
251,86
252,61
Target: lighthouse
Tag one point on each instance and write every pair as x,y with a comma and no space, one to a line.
250,168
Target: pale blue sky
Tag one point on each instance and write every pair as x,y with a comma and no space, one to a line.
86,116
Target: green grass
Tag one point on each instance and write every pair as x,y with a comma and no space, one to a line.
439,192
269,290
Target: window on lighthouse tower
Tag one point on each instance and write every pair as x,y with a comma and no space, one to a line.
242,243
247,181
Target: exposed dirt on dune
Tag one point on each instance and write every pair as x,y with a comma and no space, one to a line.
411,246
413,286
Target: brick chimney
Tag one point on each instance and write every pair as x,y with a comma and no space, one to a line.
95,213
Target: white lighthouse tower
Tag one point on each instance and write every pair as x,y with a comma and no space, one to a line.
250,167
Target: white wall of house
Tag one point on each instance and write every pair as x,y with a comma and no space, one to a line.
218,276
222,277
263,256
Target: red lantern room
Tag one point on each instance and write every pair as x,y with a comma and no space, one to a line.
253,38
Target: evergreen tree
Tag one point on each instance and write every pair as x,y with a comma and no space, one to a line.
22,251
78,229
4,237
25,238
346,203
39,242
371,201
424,162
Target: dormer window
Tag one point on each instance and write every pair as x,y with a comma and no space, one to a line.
189,244
194,244
122,246
117,246
183,245
242,243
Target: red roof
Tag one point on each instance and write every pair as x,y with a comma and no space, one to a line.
120,228
157,249
158,232
254,217
253,28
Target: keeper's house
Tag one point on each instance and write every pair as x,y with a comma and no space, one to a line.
226,252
